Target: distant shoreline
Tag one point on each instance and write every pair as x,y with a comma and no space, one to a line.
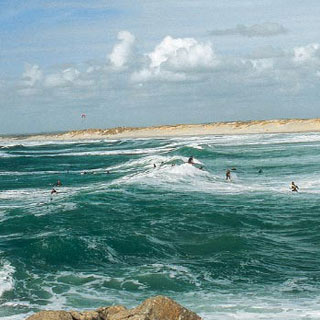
214,128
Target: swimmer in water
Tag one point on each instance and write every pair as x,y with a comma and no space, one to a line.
53,191
228,175
58,184
154,165
190,160
260,171
294,187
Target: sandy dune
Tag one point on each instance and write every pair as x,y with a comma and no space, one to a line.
236,127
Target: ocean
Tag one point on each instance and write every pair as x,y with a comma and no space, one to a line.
120,230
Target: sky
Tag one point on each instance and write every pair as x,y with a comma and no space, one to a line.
143,63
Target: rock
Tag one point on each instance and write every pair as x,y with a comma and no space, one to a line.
108,312
156,308
51,315
85,315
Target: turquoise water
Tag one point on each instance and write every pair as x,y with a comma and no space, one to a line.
245,249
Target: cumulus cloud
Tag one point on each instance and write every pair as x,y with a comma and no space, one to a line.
122,50
31,75
170,63
267,29
261,65
173,58
182,53
159,75
309,52
64,78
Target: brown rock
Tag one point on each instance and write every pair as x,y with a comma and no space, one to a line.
156,308
85,315
51,315
108,312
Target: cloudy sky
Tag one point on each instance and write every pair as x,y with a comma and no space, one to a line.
141,63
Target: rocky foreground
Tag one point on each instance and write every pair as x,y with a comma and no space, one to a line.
155,308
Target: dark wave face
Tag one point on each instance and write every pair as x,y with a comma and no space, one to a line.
120,229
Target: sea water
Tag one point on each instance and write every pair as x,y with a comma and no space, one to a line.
248,248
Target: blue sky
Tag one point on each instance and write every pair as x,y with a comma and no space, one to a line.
140,63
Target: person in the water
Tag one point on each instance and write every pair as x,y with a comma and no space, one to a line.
228,174
260,171
190,160
58,184
53,191
294,187
154,165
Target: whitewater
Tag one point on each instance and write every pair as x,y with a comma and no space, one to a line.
133,219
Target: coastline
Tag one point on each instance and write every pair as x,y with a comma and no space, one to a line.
180,130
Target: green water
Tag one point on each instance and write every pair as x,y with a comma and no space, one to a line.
244,249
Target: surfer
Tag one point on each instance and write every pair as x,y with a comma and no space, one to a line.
228,174
154,165
58,184
53,191
190,160
294,187
87,172
260,171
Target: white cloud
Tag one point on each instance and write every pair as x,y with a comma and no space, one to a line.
31,75
122,50
266,29
302,54
155,74
261,65
175,59
64,78
182,53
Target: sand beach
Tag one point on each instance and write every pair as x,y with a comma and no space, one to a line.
214,128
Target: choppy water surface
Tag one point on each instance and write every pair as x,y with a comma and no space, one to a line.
245,249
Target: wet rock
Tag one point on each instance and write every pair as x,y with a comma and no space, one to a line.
107,313
51,315
155,308
85,315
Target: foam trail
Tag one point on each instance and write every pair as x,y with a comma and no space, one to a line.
6,277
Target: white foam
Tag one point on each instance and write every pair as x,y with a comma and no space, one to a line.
6,277
251,306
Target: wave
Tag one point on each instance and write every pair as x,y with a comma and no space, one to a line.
88,153
6,276
230,250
